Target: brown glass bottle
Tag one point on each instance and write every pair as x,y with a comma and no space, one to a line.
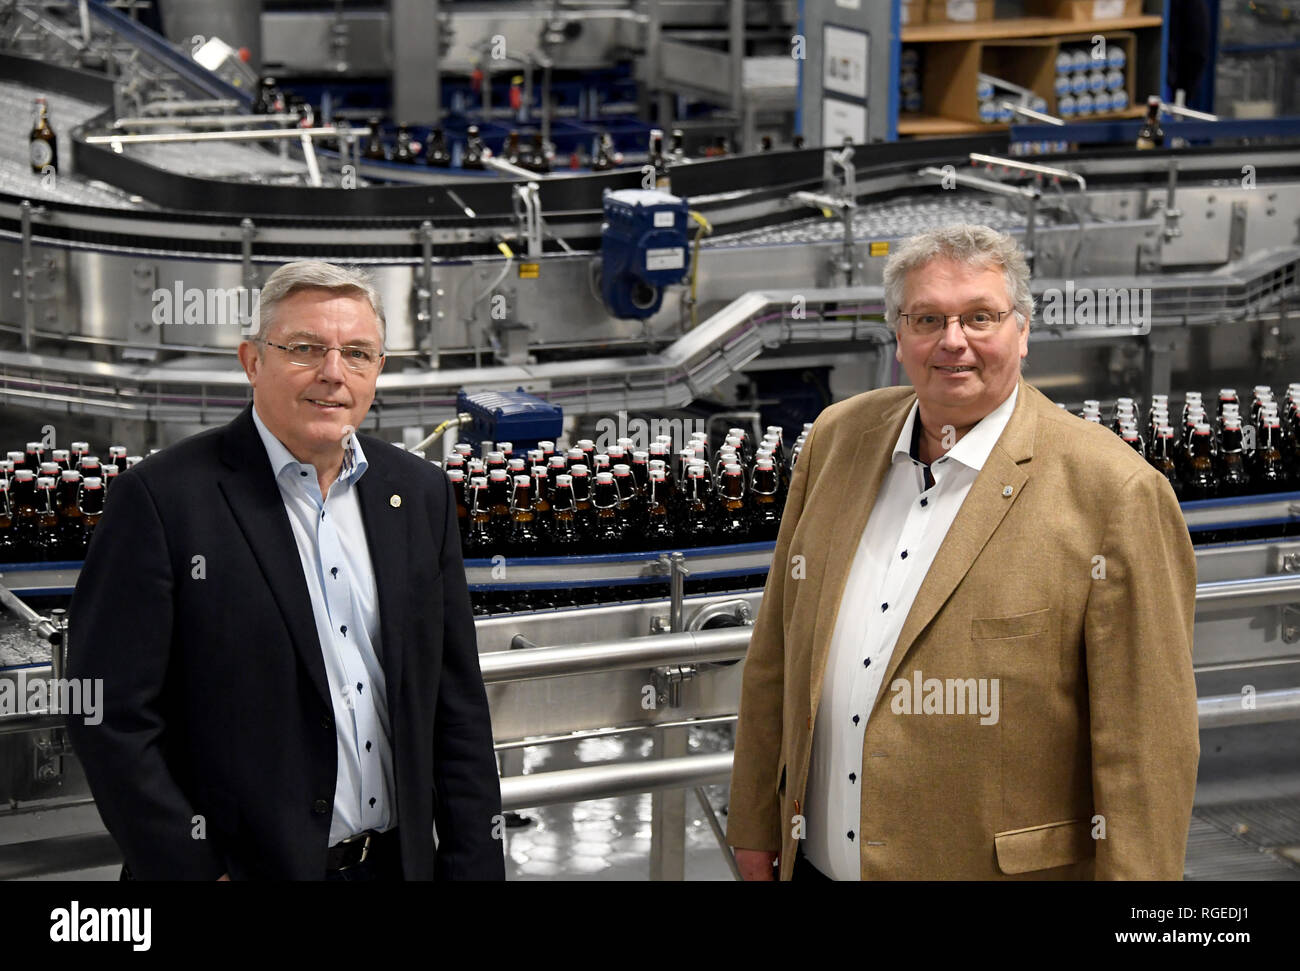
1268,470
8,552
607,527
91,504
22,496
660,533
1234,480
47,520
734,518
766,511
43,144
499,502
71,528
457,479
697,519
525,538
479,543
1202,483
565,537
582,506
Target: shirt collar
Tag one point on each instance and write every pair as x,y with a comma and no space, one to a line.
354,459
974,448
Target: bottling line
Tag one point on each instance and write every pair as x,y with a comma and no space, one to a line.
679,298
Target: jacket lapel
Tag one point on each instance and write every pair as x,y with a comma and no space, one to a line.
386,535
250,489
983,510
858,483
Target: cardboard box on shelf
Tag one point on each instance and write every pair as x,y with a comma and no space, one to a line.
1086,10
958,11
911,13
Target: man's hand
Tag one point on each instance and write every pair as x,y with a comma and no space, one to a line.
756,864
225,877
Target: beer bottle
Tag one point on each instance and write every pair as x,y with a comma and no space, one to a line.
1164,449
600,463
542,508
588,452
1151,135
580,482
604,159
659,531
457,479
627,445
1129,434
617,455
499,501
90,502
536,457
657,161
109,474
43,144
548,452
766,513
404,152
495,461
1270,473
607,527
49,469
1233,477
8,552
34,456
455,463
734,524
641,473
659,452
538,161
47,520
565,535
19,460
479,542
62,458
629,508
474,150
557,465
78,450
89,466
22,495
525,538
1202,483
516,466
697,523
6,469
374,150
437,154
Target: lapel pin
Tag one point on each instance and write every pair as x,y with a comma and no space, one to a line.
394,501
1006,491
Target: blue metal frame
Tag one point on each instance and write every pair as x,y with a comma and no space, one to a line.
1087,132
895,54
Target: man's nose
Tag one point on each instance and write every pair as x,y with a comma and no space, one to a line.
331,368
953,336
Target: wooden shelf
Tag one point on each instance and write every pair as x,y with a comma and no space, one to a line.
919,124
1022,27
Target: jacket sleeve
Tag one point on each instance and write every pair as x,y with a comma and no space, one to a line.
120,635
467,788
754,813
1141,691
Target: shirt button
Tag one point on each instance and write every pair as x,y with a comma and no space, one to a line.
853,777
867,663
850,834
903,555
367,746
320,807
372,801
855,719
344,630
327,722
923,502
303,474
360,686
334,571
884,607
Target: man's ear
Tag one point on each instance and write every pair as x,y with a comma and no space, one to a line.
249,360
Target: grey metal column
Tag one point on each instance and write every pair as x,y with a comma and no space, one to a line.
668,808
416,67
736,46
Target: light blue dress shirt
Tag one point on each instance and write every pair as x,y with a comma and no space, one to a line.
336,564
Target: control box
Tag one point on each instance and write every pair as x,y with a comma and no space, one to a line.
644,247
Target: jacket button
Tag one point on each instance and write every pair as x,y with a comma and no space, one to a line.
326,721
320,807
810,722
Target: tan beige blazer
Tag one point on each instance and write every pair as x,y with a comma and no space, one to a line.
1076,591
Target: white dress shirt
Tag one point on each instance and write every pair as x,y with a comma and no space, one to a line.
907,525
336,564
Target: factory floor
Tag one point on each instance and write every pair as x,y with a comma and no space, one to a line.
1246,824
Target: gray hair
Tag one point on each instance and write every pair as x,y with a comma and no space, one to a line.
967,243
314,275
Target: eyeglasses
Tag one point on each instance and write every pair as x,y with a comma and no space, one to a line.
973,321
359,359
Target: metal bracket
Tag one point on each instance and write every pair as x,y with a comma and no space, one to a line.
1290,623
247,233
424,293
528,217
1237,231
668,683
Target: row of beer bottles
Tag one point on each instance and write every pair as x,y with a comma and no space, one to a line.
560,508
48,518
51,499
1231,456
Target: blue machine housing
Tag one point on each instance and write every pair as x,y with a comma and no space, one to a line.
644,247
508,416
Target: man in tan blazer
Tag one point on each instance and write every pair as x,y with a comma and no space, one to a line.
973,655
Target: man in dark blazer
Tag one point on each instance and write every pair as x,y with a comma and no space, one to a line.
279,613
